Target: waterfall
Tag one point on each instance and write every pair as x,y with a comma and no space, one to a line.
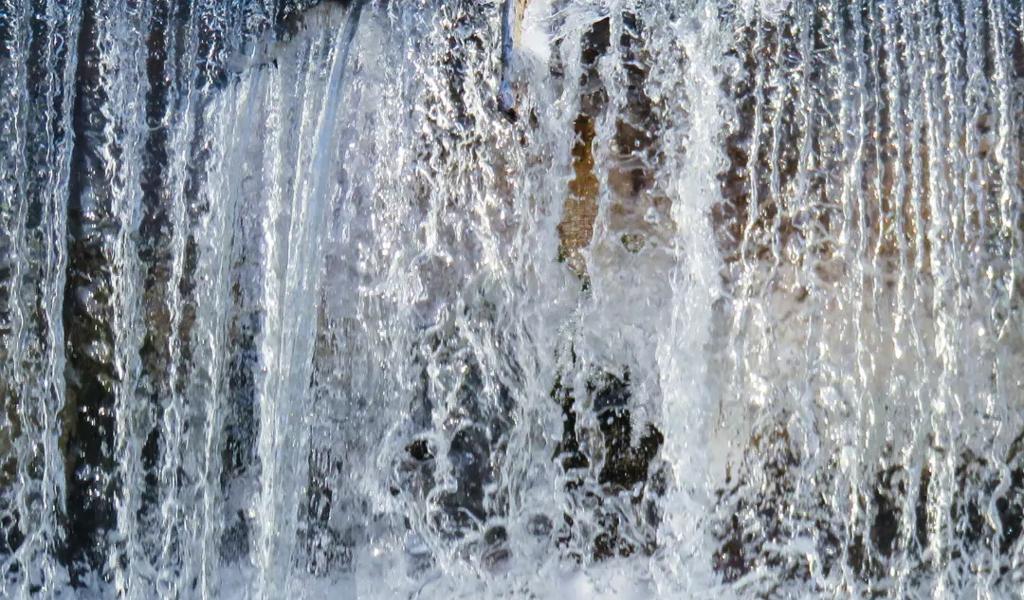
491,298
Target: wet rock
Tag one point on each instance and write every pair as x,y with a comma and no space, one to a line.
625,177
326,551
761,513
496,551
539,526
416,469
234,540
448,473
614,509
325,548
469,456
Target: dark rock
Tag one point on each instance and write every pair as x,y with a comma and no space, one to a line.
618,498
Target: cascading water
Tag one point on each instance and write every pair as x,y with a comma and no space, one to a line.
686,298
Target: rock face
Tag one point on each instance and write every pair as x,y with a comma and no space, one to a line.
614,484
627,183
761,513
580,209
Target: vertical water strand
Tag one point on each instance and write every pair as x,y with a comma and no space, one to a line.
426,305
565,108
730,399
1005,383
249,234
969,424
462,381
885,300
873,338
865,278
1007,194
936,304
207,207
42,399
39,53
263,529
123,70
877,198
850,248
830,207
86,400
997,418
904,350
950,25
159,302
174,57
733,400
214,112
207,292
14,38
780,408
161,255
746,308
280,399
309,258
231,314
952,112
605,94
431,102
13,213
382,321
694,281
291,310
48,248
766,203
496,327
243,192
354,406
1006,157
975,215
254,175
400,286
975,102
583,103
800,303
759,340
922,452
328,516
846,280
822,229
523,456
14,34
32,514
13,112
99,299
920,315
1016,130
805,249
540,193
776,102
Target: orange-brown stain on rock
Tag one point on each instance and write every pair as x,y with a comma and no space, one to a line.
580,211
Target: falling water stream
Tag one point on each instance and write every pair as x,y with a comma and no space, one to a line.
674,299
